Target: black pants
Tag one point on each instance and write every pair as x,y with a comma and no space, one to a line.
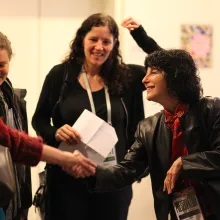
69,199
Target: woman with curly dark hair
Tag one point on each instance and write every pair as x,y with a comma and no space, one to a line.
180,146
181,76
94,64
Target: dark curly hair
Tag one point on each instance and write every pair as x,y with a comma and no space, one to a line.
114,72
181,73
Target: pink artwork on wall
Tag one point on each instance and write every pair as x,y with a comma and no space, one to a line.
197,40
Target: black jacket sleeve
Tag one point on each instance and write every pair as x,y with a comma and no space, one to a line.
206,164
134,100
41,120
116,177
146,43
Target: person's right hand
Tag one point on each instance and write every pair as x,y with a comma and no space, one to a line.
80,166
130,24
68,135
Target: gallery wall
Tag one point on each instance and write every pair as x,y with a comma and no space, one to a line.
40,32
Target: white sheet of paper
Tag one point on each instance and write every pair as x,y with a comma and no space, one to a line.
98,137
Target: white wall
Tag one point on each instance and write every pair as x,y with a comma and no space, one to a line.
20,23
59,21
40,32
162,19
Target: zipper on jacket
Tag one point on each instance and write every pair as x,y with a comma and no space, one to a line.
126,112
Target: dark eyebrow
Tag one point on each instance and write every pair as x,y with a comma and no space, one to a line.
155,68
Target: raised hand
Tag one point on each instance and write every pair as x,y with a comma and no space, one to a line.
68,135
172,175
130,24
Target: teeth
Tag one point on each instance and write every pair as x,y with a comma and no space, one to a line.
98,54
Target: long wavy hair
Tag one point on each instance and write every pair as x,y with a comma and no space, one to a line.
180,73
114,72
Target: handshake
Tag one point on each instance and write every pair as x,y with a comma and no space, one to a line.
78,165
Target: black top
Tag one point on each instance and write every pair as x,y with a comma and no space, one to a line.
74,104
51,93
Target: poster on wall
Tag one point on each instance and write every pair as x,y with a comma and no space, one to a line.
197,40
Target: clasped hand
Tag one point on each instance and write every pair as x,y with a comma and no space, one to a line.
79,166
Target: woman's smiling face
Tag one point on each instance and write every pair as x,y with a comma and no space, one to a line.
156,85
98,44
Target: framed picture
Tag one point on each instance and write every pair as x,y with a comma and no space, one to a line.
197,40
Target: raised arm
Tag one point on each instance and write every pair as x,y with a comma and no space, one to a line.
146,43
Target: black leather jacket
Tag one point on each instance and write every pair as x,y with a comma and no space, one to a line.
152,150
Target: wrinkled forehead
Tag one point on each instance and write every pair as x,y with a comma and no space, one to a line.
100,31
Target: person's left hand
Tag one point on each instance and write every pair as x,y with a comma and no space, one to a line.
172,175
130,24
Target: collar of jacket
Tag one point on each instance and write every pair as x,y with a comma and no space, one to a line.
12,102
71,71
190,125
8,92
155,129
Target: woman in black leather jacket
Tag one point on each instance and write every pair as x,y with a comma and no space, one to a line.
180,145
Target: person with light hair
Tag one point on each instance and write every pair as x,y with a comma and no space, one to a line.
24,149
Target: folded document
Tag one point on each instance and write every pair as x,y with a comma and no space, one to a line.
98,137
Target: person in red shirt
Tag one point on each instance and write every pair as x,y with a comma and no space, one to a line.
30,151
24,150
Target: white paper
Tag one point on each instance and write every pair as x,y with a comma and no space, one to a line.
98,137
